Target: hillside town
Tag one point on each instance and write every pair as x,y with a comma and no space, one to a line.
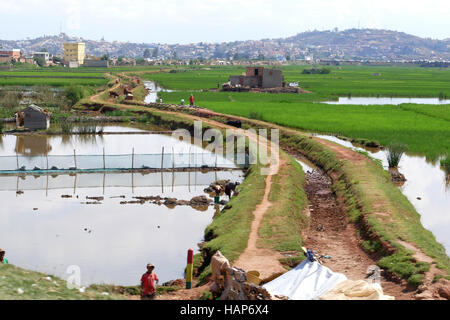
353,46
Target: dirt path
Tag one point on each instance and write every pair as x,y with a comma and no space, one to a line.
265,261
332,235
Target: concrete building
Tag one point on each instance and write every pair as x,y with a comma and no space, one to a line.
33,117
258,77
13,54
74,51
44,55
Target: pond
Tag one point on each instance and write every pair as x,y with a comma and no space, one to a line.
426,188
386,101
50,225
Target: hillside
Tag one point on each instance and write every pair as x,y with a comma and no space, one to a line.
367,44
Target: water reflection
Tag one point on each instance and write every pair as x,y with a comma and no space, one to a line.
33,145
386,101
54,236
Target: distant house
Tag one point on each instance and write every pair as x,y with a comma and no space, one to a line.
96,63
33,117
258,77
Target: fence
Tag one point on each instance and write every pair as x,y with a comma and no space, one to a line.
114,180
164,160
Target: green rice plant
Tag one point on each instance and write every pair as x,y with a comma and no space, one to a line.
445,163
256,115
66,127
87,128
394,153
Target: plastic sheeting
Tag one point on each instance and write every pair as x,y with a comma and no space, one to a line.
308,281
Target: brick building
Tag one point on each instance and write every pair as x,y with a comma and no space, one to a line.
258,77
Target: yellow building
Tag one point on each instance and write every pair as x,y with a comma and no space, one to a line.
74,52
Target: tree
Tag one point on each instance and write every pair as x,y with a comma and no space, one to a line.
236,56
105,57
147,53
40,61
44,50
155,52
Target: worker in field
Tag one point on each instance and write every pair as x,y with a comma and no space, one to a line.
182,102
148,288
230,188
191,100
3,260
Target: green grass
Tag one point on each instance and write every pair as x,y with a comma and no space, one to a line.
342,80
424,129
410,125
36,287
282,224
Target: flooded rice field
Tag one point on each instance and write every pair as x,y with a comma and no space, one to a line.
95,221
426,188
386,101
153,89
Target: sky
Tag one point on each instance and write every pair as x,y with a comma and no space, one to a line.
192,21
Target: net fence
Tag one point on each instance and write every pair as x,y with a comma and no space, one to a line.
115,180
124,161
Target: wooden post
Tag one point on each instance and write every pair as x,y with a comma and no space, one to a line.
75,158
132,159
46,156
17,160
189,268
173,160
189,156
104,161
162,158
104,180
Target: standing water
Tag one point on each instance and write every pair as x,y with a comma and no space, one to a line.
94,221
425,188
386,101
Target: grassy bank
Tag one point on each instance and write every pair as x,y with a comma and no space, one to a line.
39,286
382,212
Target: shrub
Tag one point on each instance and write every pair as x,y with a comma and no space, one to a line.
76,93
416,279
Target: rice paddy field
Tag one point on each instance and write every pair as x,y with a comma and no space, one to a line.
425,129
50,78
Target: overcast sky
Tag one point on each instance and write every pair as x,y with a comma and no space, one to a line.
187,21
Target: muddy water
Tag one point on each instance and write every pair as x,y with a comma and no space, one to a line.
386,101
110,242
425,188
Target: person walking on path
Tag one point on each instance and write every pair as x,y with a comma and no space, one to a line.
191,100
3,260
148,288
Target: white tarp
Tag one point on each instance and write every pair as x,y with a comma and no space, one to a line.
308,281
